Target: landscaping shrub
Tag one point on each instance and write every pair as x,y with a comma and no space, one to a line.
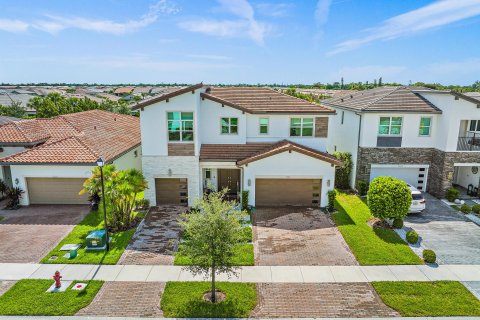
452,194
14,195
476,208
362,187
397,223
465,208
389,198
342,173
331,200
412,236
429,256
245,200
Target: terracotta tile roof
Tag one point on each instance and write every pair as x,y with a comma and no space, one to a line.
384,99
27,132
246,153
262,100
81,138
230,152
167,95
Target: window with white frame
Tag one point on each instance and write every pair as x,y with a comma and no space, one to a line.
180,126
390,126
263,126
229,125
425,126
474,126
301,127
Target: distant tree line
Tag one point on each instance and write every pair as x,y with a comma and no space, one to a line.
54,104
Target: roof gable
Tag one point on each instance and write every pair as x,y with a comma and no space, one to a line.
165,97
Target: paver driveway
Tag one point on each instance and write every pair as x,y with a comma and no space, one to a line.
455,239
29,233
156,239
319,300
292,236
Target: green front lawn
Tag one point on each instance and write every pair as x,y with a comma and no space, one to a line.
428,299
93,221
28,298
371,246
185,300
243,256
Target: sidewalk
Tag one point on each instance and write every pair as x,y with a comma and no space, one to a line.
255,274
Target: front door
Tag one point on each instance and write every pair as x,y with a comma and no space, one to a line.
229,178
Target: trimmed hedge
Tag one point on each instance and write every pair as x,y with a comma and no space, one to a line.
331,200
412,236
389,198
452,194
429,256
362,187
397,223
342,173
465,208
476,208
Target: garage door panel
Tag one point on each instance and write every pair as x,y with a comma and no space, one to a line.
171,191
56,191
280,192
415,176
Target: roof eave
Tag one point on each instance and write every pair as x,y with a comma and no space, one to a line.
164,97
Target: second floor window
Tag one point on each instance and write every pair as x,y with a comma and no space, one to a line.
301,127
475,125
180,126
390,126
425,126
229,125
263,125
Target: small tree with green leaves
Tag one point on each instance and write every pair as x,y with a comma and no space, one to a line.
389,198
214,229
342,173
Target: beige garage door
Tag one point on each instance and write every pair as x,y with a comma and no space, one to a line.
56,191
281,192
171,191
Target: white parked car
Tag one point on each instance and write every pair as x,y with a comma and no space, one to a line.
418,201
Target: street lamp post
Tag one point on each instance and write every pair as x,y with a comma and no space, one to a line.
100,164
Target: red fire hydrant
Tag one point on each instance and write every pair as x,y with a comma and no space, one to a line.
57,278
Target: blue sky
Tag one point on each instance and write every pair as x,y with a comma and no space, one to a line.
239,41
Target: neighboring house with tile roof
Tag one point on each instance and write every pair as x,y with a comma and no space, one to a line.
50,158
429,138
242,138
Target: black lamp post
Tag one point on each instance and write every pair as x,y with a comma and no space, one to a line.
100,164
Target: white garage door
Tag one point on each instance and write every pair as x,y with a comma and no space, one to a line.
56,191
415,176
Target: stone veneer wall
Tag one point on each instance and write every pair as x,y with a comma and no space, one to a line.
441,163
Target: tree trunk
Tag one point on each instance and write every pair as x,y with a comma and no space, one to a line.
213,284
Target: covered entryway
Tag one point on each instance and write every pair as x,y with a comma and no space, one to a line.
281,192
56,191
171,191
415,175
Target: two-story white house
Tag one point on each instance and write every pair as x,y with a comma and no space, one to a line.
429,138
257,139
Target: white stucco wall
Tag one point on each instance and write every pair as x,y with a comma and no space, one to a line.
25,171
410,130
210,129
466,177
130,160
289,165
153,122
180,167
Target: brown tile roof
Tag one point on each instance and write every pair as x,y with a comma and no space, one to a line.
81,138
262,101
28,132
246,153
384,99
123,90
166,96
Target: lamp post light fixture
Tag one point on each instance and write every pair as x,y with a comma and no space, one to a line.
100,164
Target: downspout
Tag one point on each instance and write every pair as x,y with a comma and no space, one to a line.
354,178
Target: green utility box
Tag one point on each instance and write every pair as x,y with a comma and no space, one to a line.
96,240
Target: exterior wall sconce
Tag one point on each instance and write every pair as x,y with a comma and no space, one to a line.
17,181
328,183
169,172
249,182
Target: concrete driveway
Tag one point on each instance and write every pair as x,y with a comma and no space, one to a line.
454,238
296,236
29,233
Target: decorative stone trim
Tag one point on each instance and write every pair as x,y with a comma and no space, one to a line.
181,149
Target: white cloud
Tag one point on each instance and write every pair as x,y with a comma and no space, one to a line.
276,10
369,72
322,11
13,25
55,23
435,15
245,24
